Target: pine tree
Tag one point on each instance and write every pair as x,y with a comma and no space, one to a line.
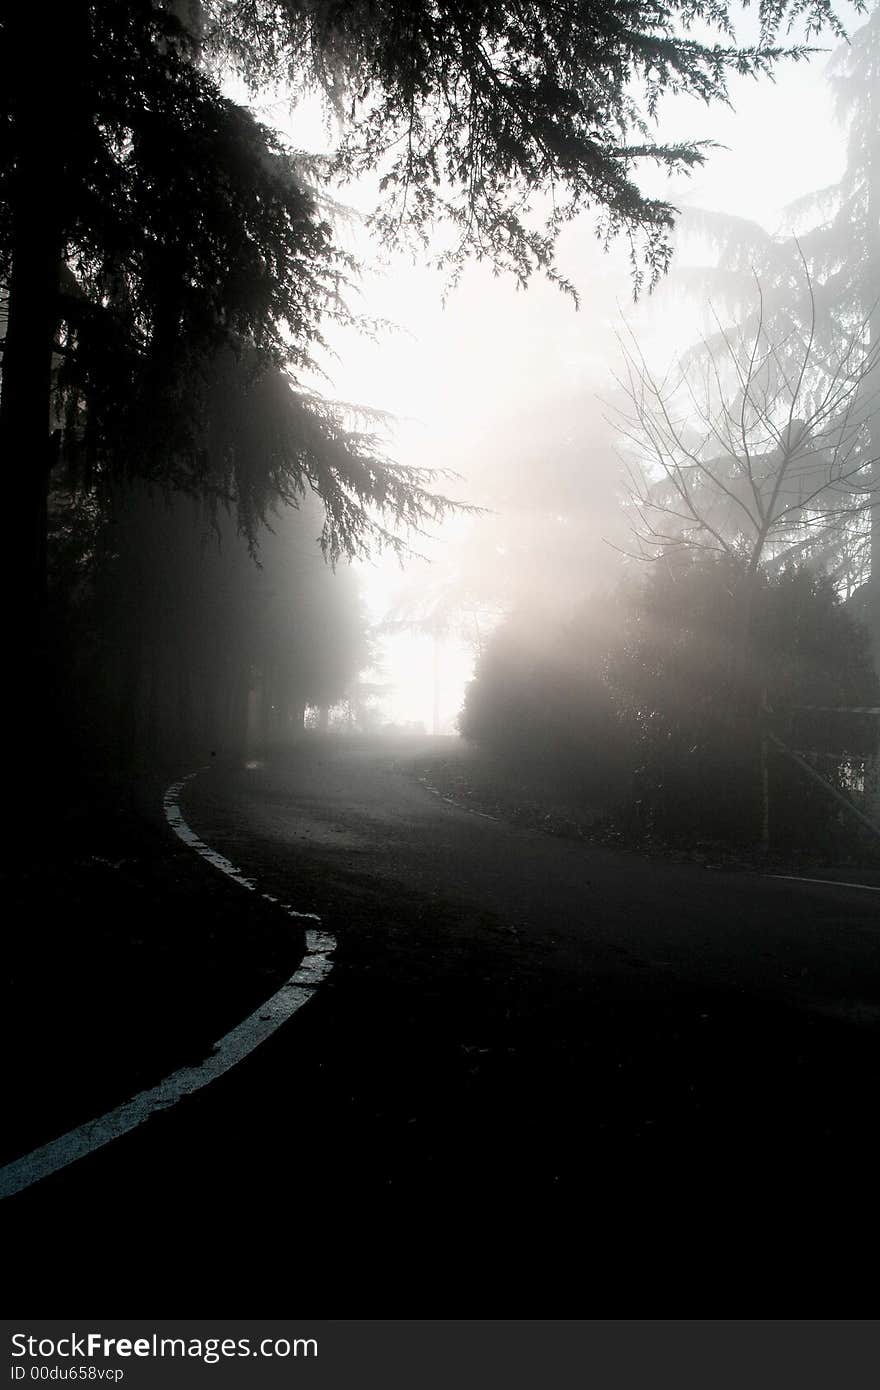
474,110
163,257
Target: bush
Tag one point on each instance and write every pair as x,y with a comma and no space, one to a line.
539,700
649,702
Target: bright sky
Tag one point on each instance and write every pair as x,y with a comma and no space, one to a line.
454,373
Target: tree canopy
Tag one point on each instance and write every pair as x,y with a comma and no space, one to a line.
162,223
168,264
168,270
472,110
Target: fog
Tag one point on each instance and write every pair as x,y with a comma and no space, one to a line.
512,388
443,637
479,425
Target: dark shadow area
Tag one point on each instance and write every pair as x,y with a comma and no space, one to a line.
129,959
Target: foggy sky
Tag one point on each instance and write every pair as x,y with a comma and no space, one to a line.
494,375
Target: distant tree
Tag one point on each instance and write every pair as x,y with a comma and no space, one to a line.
540,702
837,240
842,248
308,629
757,449
176,644
546,475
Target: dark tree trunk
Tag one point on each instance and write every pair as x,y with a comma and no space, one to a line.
45,80
128,722
25,442
152,738
25,408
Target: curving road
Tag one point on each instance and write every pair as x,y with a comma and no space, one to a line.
540,1072
357,808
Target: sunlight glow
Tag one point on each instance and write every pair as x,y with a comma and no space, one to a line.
465,371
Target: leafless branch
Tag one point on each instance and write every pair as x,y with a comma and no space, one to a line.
754,441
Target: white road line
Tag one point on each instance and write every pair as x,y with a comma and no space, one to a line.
231,1049
831,882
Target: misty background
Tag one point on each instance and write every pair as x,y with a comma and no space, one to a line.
583,517
511,387
473,555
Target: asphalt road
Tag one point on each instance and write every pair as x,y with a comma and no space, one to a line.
543,1079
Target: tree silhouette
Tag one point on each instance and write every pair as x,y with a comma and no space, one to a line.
754,451
167,273
181,646
161,228
758,447
470,111
837,241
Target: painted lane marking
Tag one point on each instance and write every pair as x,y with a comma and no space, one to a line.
174,817
829,882
232,1048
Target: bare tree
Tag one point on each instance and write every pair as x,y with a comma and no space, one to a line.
755,444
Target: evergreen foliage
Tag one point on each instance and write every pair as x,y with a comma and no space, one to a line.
164,226
191,270
470,111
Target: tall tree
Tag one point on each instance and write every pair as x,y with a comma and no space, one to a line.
184,216
838,237
162,255
844,248
186,229
757,446
756,451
